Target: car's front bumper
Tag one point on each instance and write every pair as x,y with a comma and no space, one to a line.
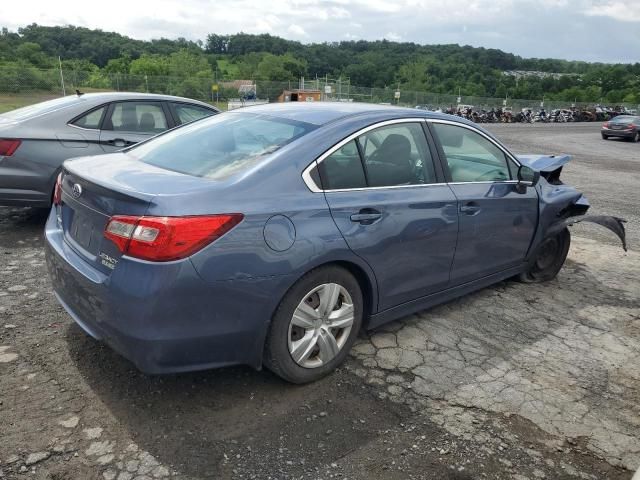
163,316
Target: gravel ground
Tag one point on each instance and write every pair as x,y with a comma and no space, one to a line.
515,381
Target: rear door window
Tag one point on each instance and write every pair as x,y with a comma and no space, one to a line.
343,169
90,120
185,113
397,155
137,117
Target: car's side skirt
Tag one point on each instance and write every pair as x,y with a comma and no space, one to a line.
432,300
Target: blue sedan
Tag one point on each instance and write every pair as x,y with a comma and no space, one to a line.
269,236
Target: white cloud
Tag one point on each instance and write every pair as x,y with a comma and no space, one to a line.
624,11
542,28
339,12
394,37
297,30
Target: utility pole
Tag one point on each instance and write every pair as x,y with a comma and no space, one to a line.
64,92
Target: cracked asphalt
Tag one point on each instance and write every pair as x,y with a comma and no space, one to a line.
516,381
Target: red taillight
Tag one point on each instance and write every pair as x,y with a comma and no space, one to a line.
57,191
8,146
631,126
605,125
162,239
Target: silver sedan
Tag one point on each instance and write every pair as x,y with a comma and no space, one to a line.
35,140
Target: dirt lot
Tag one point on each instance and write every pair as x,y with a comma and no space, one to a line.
515,381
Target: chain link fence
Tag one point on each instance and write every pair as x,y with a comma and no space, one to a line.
23,85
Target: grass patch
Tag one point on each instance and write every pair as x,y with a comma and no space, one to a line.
11,101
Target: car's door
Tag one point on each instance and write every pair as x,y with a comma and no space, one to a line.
498,218
392,207
129,122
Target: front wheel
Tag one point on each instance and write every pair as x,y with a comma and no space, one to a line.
549,258
315,325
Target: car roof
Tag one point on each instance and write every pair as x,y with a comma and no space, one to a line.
112,96
77,104
321,113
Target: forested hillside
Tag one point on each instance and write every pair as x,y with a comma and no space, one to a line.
433,68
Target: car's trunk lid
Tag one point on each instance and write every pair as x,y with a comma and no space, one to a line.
96,188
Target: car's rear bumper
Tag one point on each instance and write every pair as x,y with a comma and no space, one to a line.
12,197
163,317
25,183
618,133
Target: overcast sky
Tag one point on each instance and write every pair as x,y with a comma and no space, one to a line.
592,30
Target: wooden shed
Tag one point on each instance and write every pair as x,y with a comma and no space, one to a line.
299,95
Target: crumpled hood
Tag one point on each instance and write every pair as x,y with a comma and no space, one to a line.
544,163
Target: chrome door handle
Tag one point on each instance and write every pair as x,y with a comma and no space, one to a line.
470,208
120,142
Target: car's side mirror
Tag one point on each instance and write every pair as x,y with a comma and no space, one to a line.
527,176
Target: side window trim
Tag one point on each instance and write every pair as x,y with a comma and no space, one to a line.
443,159
435,153
306,174
106,121
362,157
168,115
102,118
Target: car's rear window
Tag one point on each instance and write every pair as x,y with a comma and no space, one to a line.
220,146
40,108
624,119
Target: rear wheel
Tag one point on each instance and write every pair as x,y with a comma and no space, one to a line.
549,258
605,137
315,325
636,137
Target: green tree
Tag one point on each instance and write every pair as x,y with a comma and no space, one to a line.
31,52
150,64
280,67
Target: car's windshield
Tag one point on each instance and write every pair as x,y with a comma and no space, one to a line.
39,108
220,146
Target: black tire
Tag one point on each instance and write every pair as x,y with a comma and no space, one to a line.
277,357
636,137
605,137
549,258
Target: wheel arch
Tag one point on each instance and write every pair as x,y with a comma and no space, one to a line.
369,293
363,275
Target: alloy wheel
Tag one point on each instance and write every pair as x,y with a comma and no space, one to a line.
320,325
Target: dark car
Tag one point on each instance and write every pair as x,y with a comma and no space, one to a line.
622,126
272,235
35,140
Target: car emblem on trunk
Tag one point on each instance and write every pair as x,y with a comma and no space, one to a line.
77,190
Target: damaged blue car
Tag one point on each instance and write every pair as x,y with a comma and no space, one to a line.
269,236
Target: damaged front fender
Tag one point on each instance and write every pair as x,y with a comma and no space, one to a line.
560,205
615,224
